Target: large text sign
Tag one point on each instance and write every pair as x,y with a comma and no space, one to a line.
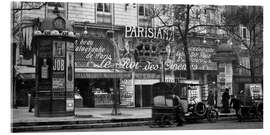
148,32
200,58
91,52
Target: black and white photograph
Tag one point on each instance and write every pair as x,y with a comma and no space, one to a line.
103,66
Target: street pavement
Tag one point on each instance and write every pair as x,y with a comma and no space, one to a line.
22,115
202,125
22,120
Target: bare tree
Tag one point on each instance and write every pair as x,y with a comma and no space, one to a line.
16,31
185,19
17,8
250,17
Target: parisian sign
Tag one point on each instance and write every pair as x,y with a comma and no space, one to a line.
149,32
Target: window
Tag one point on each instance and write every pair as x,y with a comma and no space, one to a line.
104,13
51,10
103,7
143,10
58,4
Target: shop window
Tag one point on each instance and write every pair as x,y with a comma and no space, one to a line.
104,13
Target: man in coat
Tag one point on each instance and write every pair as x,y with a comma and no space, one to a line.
32,99
225,101
210,99
179,112
235,103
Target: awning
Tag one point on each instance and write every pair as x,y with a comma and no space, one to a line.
25,72
101,73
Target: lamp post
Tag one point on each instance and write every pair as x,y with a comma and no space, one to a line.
163,55
115,110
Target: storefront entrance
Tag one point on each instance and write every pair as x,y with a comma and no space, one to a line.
143,95
97,92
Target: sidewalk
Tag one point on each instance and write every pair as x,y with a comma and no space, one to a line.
23,121
21,114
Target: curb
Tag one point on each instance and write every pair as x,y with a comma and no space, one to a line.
82,124
78,126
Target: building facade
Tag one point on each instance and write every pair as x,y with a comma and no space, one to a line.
119,46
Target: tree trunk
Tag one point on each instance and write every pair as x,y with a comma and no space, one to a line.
252,56
185,43
252,70
187,59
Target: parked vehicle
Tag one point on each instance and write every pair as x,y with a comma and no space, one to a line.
252,103
163,111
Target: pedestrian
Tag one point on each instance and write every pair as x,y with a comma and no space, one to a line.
210,99
179,112
225,101
216,98
241,97
236,104
32,99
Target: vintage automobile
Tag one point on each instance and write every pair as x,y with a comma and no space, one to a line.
252,103
163,111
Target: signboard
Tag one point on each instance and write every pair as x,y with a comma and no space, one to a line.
99,53
194,94
255,91
127,95
149,32
92,52
200,58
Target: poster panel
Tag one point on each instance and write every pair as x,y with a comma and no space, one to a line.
44,66
70,67
69,104
58,76
59,48
255,91
58,83
126,93
194,94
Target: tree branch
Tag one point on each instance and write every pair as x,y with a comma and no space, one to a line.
241,66
210,25
180,30
258,66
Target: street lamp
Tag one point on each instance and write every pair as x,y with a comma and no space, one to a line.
163,55
116,110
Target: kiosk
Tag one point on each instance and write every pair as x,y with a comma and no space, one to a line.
54,45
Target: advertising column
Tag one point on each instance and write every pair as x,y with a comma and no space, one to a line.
55,77
54,46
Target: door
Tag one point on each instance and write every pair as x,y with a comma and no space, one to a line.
146,95
143,95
